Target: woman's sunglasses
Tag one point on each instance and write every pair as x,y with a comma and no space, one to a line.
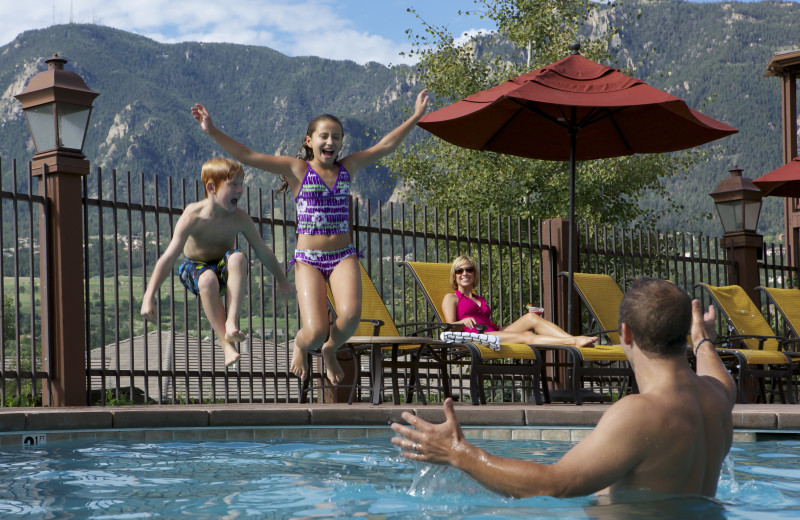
460,270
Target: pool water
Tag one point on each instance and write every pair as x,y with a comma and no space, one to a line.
117,479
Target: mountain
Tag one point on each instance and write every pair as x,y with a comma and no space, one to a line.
141,120
713,55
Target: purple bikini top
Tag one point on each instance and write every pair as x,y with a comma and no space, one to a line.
321,210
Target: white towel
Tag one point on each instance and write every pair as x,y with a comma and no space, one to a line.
487,340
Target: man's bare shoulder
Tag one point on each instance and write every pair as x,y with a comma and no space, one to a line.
628,404
694,398
710,385
632,409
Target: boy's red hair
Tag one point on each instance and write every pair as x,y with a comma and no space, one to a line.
219,170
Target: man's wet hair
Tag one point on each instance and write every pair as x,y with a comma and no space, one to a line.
658,314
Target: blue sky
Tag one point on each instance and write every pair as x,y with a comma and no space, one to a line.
359,30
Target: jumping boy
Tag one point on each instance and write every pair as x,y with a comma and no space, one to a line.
206,233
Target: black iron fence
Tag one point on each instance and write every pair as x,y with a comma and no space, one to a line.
128,221
24,366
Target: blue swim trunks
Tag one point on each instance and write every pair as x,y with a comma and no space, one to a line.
190,270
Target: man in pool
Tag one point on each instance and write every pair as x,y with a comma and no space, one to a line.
671,437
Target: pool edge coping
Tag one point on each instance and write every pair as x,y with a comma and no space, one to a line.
509,421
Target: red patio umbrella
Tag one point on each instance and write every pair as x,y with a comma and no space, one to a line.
573,109
782,182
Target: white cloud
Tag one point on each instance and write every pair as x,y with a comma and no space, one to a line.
310,27
467,35
349,45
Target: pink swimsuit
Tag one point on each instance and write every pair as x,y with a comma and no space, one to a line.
482,314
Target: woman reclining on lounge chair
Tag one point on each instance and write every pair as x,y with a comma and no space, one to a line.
466,308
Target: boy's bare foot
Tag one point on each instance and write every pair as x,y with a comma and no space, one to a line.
299,366
233,334
585,341
332,368
231,355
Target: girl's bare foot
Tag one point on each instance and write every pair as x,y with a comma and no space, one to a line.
231,355
233,334
299,366
332,368
585,341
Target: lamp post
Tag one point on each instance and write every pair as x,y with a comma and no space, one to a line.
738,203
57,105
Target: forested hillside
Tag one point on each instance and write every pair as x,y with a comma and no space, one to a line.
712,55
141,120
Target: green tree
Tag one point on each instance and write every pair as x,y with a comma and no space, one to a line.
9,330
531,34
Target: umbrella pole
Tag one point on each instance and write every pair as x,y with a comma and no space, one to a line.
573,141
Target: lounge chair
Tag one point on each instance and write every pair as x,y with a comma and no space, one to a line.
787,303
512,358
758,351
601,296
378,336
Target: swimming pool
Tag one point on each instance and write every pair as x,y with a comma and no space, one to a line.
362,477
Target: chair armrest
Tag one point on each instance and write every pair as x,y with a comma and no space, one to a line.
603,332
788,344
423,326
376,326
739,337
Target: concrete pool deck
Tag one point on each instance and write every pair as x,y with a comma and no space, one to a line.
256,421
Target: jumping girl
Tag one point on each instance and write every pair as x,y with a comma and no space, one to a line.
321,184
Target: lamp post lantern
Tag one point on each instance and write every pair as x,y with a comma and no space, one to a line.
57,105
738,203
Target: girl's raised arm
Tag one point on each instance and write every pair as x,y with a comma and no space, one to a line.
358,160
277,164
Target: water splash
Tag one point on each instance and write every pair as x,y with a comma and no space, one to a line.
432,481
727,477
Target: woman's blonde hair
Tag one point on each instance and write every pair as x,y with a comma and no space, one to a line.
219,170
460,261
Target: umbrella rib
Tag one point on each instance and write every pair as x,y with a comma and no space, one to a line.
593,116
598,114
509,120
530,106
618,129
